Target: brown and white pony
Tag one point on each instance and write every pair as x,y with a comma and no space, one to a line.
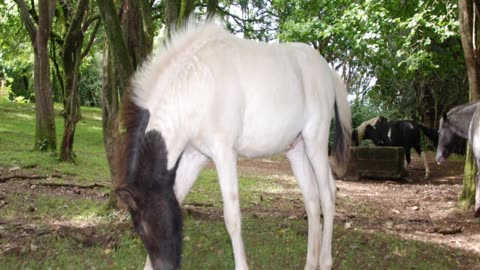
402,133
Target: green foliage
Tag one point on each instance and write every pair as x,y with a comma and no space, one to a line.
5,87
362,112
383,48
16,55
91,81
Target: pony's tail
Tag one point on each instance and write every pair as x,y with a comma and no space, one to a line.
343,128
431,133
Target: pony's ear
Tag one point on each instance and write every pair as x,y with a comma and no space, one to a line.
126,196
444,116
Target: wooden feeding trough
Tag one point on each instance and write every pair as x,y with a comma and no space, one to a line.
376,162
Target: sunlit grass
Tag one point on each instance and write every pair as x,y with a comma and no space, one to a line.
17,131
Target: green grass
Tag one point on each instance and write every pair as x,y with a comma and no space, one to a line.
270,243
17,133
64,253
207,190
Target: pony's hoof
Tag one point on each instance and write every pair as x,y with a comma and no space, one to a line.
477,213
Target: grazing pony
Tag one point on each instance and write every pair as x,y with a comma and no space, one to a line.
358,134
461,122
403,133
209,95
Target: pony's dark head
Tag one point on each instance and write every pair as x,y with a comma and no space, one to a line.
145,185
376,135
447,139
382,132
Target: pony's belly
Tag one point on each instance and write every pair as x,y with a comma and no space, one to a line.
271,128
267,142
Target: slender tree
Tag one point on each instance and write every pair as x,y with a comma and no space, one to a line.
469,29
78,23
45,133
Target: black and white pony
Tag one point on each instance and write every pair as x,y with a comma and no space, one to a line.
461,122
209,95
401,133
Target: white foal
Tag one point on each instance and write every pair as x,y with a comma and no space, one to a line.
212,96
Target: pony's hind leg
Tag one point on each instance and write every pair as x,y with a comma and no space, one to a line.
407,157
306,180
424,159
316,148
226,163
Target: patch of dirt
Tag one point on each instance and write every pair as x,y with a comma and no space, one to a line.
421,209
24,235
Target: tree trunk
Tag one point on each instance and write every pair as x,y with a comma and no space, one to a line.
211,8
137,15
45,133
425,103
468,30
467,197
110,107
129,42
425,106
172,10
116,41
72,57
186,8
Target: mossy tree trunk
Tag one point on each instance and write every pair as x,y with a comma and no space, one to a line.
467,197
45,133
468,11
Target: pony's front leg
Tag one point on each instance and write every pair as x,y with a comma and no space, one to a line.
191,164
226,163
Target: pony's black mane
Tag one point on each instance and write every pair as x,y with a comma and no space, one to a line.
136,120
465,108
145,184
